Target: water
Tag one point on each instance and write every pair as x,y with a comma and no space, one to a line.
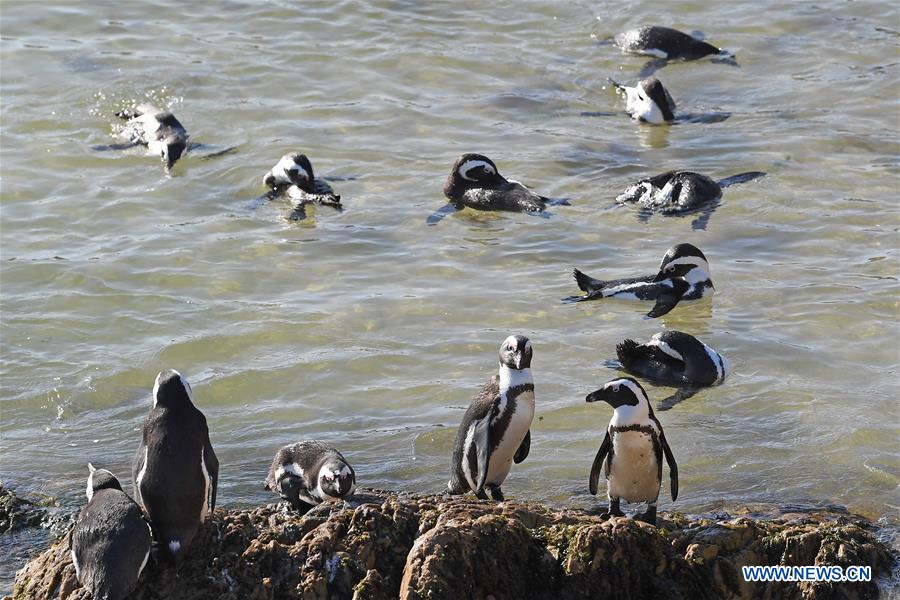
372,330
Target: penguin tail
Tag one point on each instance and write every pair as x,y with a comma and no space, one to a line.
585,282
741,178
628,352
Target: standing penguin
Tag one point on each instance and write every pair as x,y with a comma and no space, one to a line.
494,432
310,472
632,451
110,542
175,469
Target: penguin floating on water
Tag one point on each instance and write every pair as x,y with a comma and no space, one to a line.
631,454
495,431
160,131
683,275
648,101
681,192
665,44
310,472
110,543
175,469
674,358
293,177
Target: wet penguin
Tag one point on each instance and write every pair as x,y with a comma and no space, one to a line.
679,192
310,472
648,101
664,42
495,431
683,275
159,130
293,178
474,181
631,454
674,358
175,469
110,543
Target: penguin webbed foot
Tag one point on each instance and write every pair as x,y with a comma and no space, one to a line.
481,494
612,511
496,493
647,517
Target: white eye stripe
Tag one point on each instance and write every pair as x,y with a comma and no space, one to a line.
474,164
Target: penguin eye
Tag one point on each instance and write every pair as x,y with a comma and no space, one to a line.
615,388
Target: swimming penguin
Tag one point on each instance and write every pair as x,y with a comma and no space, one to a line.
679,192
175,469
664,42
159,130
683,275
648,101
632,451
475,182
674,358
293,177
310,472
495,431
110,543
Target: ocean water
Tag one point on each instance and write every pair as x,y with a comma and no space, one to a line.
372,330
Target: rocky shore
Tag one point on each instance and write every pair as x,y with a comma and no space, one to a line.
387,545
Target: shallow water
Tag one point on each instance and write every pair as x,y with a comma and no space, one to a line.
371,329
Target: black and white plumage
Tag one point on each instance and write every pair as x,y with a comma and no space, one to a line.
110,543
674,358
683,275
679,192
665,43
159,130
310,472
648,101
495,431
632,451
175,469
293,178
476,182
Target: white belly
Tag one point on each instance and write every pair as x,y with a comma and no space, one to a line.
501,459
632,474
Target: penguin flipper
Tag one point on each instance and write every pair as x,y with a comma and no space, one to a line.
137,464
741,178
665,302
212,467
482,441
522,453
598,464
442,212
586,283
673,466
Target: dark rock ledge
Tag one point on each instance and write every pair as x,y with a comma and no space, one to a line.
387,545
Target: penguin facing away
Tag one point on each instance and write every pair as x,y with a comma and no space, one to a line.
175,469
674,358
310,472
495,430
683,275
631,454
110,543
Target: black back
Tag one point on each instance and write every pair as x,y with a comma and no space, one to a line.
676,44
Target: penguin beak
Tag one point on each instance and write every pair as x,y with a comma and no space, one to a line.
520,356
173,154
598,395
661,275
616,84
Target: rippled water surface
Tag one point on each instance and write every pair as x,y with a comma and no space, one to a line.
373,330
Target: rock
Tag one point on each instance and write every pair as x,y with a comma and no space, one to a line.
17,513
386,545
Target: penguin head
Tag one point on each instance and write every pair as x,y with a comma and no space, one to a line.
652,92
289,488
515,352
628,399
473,171
172,149
337,479
300,172
171,389
681,260
100,479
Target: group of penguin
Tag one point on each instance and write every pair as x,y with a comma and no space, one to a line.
175,469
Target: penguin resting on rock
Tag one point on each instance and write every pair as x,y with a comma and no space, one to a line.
310,472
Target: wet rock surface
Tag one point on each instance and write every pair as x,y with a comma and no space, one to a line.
387,545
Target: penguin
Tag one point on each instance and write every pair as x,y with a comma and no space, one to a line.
495,430
674,358
293,178
159,130
175,469
665,43
110,543
632,451
648,101
475,181
310,472
683,275
679,192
